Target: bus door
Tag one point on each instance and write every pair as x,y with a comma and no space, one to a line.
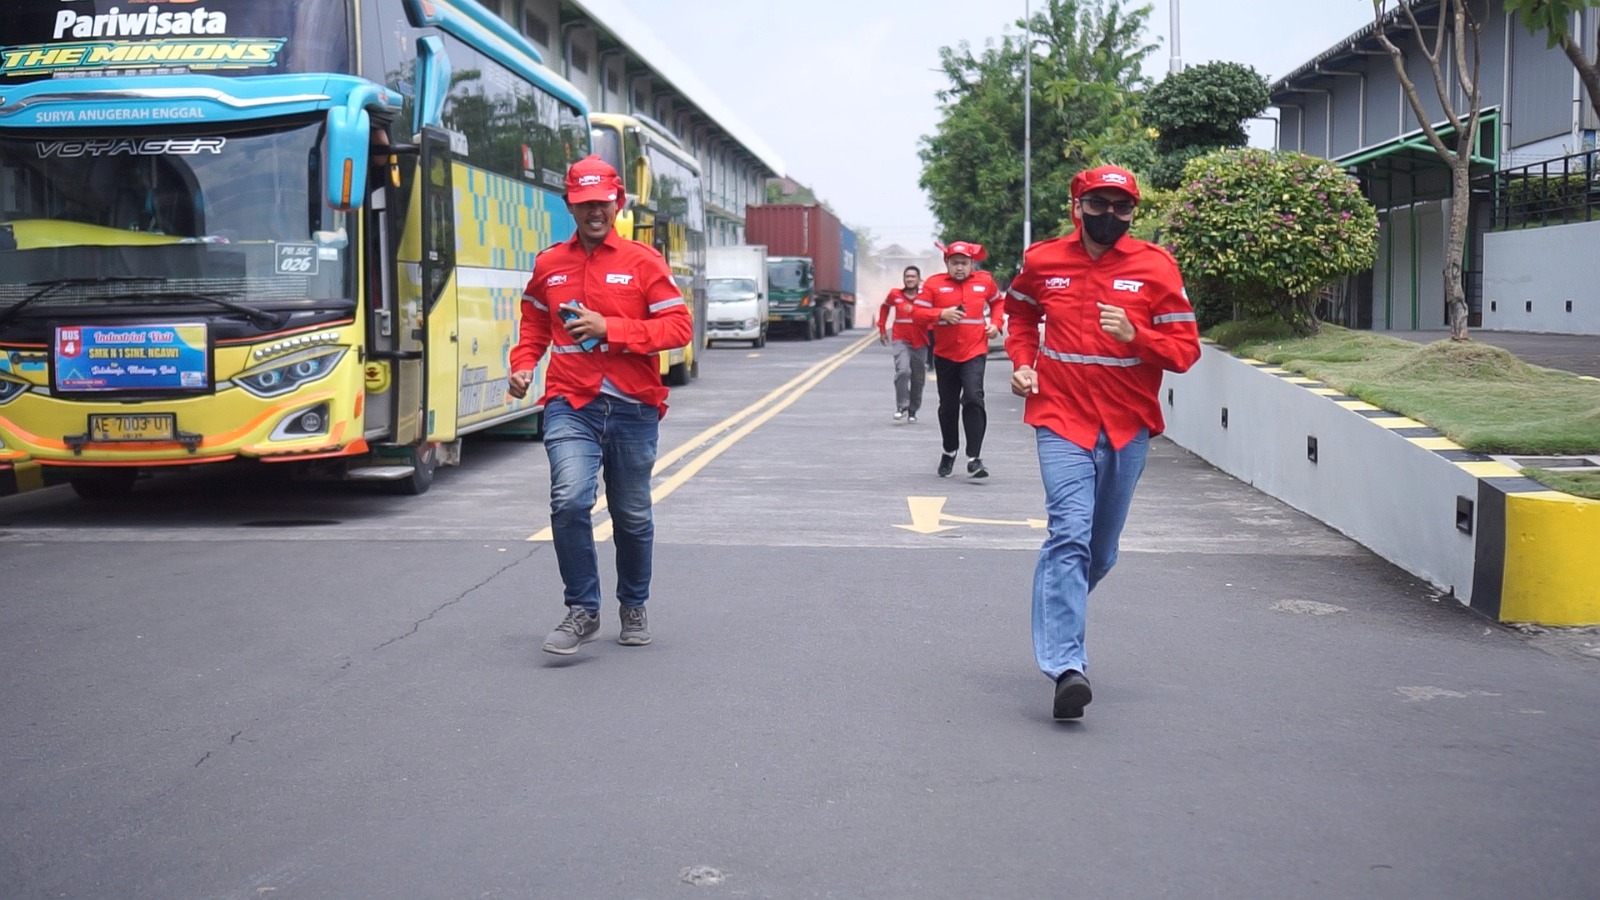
385,322
436,373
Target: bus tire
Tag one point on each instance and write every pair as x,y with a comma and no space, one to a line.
677,374
424,461
108,487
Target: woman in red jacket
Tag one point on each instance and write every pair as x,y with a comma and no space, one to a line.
962,306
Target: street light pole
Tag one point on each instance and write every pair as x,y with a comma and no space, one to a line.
1176,65
1027,124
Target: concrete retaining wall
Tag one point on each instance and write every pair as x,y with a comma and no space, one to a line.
1467,524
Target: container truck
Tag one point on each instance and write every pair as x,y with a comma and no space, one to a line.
811,267
736,294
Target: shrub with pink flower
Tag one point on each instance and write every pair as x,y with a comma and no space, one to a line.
1265,231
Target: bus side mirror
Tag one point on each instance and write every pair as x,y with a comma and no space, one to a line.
432,81
349,137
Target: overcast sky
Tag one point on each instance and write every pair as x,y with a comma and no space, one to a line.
842,89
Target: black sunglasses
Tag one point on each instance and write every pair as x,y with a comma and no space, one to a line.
1097,206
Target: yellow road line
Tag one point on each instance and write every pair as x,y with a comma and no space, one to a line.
794,388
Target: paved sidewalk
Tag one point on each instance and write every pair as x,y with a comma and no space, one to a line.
1578,353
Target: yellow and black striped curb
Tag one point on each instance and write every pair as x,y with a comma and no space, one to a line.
1533,548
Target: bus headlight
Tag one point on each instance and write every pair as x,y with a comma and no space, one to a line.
302,423
284,375
11,388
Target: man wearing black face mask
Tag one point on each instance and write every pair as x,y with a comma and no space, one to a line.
1115,317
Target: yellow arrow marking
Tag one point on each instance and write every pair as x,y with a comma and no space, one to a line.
927,514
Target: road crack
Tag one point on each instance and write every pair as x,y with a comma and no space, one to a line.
417,625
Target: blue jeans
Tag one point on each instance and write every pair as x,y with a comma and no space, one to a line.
1086,496
618,438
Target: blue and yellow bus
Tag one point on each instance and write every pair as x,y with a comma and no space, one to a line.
666,209
287,232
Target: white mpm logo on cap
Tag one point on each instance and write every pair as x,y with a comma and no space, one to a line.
590,180
1114,177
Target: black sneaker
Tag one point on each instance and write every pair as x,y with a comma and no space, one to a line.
975,468
578,628
947,464
911,418
1072,695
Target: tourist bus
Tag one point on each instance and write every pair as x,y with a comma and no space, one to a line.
666,209
288,232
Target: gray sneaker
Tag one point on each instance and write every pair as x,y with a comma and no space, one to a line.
635,630
578,628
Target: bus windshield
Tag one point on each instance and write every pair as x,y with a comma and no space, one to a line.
607,145
232,213
52,39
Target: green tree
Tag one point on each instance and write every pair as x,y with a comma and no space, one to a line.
1201,109
1266,231
1554,18
785,190
1086,59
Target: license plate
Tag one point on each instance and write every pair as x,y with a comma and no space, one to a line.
150,427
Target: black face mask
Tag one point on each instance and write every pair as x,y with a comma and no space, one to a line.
1105,228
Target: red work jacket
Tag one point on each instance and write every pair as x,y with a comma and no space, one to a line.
906,330
628,283
1088,380
979,299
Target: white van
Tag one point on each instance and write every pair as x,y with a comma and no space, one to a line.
736,294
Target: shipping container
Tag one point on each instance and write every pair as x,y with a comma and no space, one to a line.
810,238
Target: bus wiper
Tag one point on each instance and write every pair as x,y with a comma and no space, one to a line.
56,284
267,321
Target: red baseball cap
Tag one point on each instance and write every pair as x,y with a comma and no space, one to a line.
1112,177
966,248
592,178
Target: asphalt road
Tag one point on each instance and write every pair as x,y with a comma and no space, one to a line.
236,687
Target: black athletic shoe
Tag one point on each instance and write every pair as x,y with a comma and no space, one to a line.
975,468
947,464
1072,695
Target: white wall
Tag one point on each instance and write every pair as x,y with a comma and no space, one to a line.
1546,267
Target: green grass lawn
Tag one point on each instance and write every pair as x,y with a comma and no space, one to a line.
1481,397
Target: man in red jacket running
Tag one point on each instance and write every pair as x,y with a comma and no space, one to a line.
604,306
962,306
1115,317
907,341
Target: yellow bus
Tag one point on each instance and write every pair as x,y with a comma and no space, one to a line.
666,209
302,242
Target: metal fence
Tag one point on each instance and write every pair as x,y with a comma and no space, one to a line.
1554,192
